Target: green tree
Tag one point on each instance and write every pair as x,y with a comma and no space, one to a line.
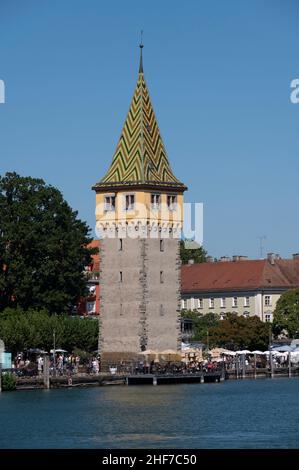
42,247
9,382
237,332
198,254
34,329
201,324
286,314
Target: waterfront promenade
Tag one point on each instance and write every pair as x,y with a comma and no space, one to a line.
104,379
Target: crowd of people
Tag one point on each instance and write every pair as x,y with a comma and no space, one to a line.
28,364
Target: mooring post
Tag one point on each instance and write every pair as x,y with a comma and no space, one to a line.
201,374
290,365
222,377
154,380
0,377
243,367
237,365
46,372
271,364
255,366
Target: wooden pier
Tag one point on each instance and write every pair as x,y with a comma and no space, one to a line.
33,383
163,379
104,379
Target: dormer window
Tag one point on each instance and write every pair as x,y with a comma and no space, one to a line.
171,202
109,203
130,202
155,201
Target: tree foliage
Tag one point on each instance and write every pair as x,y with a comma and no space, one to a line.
237,332
42,247
286,314
201,324
9,382
34,329
199,255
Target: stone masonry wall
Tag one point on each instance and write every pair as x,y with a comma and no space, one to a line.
141,312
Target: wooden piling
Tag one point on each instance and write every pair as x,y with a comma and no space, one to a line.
243,367
46,372
271,364
290,365
255,366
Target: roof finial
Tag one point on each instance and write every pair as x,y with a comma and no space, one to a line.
141,47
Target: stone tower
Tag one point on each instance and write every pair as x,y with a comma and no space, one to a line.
139,216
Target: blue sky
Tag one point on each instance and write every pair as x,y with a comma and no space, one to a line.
219,75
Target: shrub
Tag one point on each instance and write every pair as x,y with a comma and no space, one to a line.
9,381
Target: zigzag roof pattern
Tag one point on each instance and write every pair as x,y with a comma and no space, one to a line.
140,157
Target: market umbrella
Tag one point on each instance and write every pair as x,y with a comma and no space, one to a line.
190,350
36,351
147,352
216,352
169,351
284,348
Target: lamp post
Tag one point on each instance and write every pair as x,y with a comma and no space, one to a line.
208,346
54,352
270,353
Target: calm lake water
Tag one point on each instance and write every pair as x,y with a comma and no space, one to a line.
233,414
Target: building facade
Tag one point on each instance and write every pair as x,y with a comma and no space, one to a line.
139,216
90,304
241,286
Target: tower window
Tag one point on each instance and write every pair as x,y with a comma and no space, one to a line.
162,245
171,202
120,244
130,202
155,201
120,276
109,203
161,310
161,277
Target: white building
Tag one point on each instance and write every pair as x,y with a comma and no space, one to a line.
238,285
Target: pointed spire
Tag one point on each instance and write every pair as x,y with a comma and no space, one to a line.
141,47
140,157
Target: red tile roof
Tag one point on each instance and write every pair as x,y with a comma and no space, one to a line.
95,258
240,275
